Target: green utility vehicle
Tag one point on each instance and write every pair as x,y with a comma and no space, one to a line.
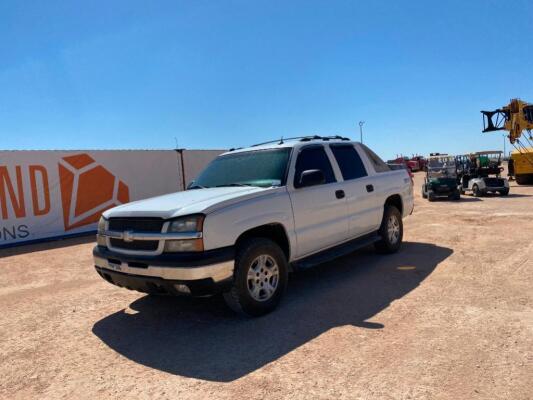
441,178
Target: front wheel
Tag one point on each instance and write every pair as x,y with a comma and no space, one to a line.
260,278
504,192
391,231
456,195
476,191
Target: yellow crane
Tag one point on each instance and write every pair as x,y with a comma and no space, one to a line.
517,119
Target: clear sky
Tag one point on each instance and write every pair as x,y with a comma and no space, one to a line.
220,74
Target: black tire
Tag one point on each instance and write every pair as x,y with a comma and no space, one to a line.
239,298
431,195
504,192
476,191
424,193
390,243
524,179
456,195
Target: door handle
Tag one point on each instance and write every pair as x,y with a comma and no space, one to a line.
369,188
339,194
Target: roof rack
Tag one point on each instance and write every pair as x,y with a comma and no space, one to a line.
303,139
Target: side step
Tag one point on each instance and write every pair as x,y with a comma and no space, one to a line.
336,252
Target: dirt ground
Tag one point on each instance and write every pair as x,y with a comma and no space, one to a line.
448,317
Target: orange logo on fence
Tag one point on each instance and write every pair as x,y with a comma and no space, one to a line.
87,190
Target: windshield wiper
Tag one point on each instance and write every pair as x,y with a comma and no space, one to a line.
197,187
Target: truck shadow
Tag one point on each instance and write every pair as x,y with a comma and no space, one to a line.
201,338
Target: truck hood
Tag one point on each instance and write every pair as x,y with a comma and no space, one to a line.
184,203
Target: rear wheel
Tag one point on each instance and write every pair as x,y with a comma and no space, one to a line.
431,195
524,179
504,192
391,231
476,191
260,278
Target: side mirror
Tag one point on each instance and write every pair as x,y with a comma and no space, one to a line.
311,177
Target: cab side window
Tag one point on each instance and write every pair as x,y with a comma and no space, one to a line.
314,157
349,162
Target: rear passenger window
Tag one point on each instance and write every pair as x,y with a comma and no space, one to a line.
313,158
349,162
378,164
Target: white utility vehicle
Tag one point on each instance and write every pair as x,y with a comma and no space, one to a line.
252,216
480,173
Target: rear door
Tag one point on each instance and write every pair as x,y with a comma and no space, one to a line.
320,212
359,188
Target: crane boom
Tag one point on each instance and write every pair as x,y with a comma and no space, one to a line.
516,117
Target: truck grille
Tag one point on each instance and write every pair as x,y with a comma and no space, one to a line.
151,225
137,245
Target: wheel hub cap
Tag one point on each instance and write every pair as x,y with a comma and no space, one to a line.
393,229
263,278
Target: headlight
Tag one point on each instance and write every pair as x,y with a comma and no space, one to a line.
101,224
192,223
100,240
175,246
188,224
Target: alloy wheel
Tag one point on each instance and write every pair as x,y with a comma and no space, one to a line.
263,278
393,229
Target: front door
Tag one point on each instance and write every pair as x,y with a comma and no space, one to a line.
320,211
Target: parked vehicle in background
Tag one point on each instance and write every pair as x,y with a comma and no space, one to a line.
479,173
420,161
441,178
413,164
521,166
253,215
395,166
405,161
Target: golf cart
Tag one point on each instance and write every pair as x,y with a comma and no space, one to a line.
479,173
441,178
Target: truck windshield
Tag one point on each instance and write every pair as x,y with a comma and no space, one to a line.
262,168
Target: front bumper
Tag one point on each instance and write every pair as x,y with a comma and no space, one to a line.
444,190
201,273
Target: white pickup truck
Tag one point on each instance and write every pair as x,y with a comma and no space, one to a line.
252,216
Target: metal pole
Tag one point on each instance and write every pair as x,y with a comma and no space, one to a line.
504,154
361,123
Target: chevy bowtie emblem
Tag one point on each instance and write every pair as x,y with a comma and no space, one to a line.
128,236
